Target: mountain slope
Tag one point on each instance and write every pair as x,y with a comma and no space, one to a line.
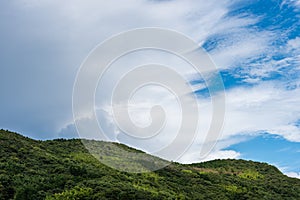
63,169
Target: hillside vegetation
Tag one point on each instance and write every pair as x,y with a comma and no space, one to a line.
64,169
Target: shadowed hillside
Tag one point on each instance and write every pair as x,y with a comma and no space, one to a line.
63,169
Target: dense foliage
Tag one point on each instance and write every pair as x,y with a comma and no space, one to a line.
63,169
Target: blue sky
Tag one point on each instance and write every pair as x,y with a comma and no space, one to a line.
255,44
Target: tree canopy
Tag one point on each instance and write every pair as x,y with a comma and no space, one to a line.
64,169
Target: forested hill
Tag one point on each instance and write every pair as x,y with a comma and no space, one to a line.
63,169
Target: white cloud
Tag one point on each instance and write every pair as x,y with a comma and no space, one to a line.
224,154
295,3
294,43
293,174
263,108
193,157
110,17
267,107
52,38
240,42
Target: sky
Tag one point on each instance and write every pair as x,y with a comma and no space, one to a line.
254,44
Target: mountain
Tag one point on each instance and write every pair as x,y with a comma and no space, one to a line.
64,169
